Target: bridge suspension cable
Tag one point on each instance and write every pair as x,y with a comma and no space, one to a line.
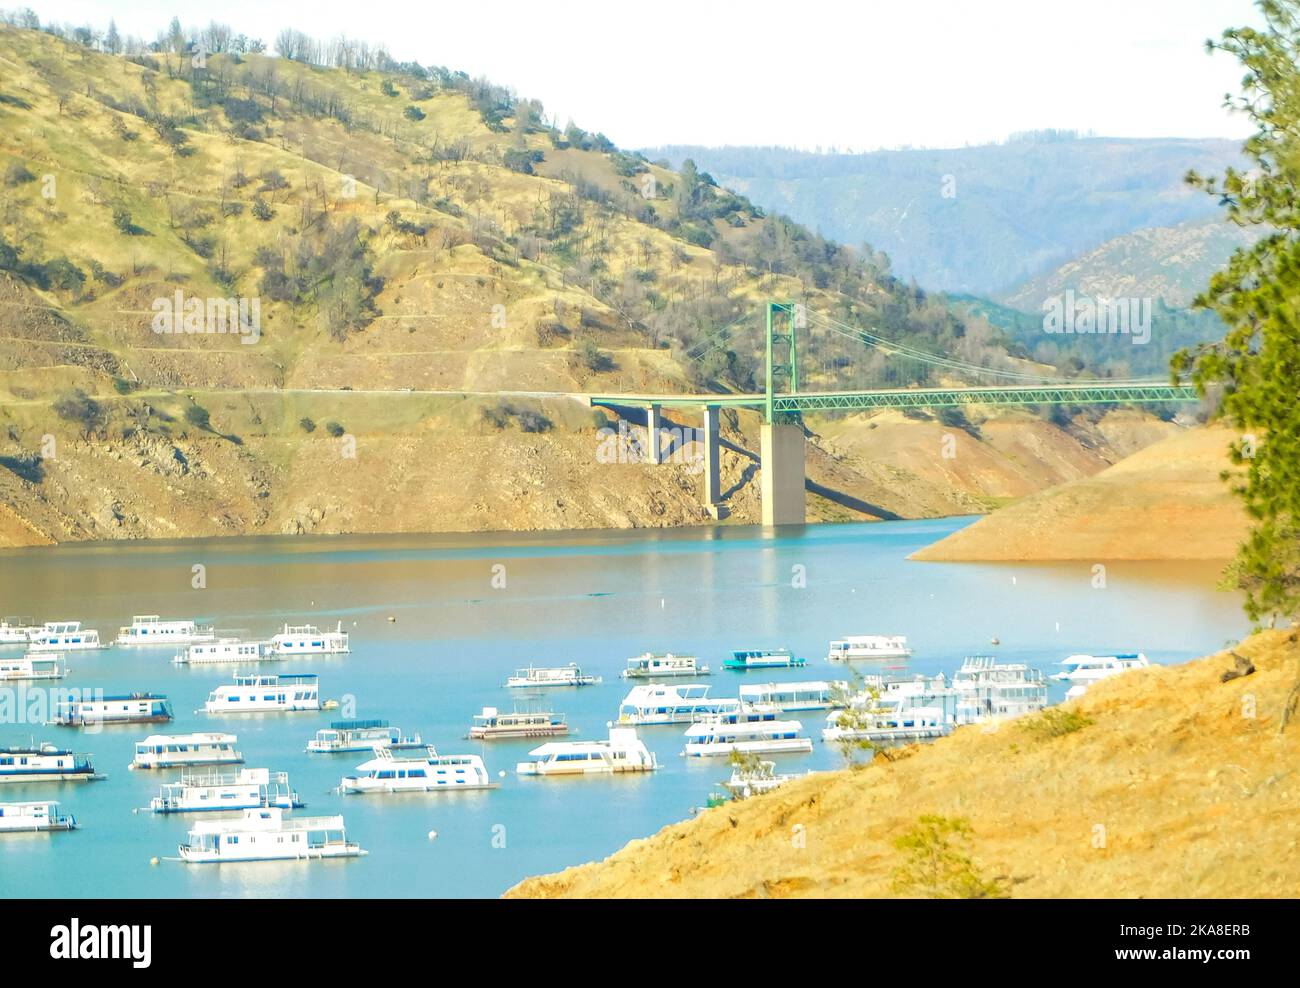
891,347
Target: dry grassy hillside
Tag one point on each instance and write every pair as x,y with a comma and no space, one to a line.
401,239
1165,502
1175,785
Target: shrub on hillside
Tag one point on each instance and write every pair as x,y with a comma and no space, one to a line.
197,416
937,864
1054,722
17,174
78,407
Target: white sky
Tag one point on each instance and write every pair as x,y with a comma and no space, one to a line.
855,74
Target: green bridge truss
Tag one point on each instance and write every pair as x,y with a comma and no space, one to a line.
1061,394
782,364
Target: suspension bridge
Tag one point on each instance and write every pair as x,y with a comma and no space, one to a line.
783,440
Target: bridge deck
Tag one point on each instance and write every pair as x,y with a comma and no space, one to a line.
1090,393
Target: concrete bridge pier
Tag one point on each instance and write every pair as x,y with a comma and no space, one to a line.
654,417
712,466
782,468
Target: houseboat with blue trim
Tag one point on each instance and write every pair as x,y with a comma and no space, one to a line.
492,725
180,750
34,818
390,772
268,835
151,629
45,763
65,636
360,735
31,667
210,792
127,708
261,693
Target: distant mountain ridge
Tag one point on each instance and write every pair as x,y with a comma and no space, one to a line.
1173,263
983,219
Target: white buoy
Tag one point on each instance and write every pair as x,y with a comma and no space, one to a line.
391,619
501,774
155,860
433,835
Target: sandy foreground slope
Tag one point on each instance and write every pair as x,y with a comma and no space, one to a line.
1166,501
1181,786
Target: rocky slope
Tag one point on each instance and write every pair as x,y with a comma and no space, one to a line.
415,462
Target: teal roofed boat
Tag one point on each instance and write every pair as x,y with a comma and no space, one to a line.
763,658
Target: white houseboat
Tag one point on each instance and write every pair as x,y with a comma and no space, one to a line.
653,665
750,730
758,779
128,708
32,666
1084,670
987,689
34,817
854,647
44,763
743,659
538,677
812,695
17,631
426,771
659,703
151,629
179,750
225,651
64,636
622,752
268,835
265,694
492,725
360,735
247,789
901,723
307,639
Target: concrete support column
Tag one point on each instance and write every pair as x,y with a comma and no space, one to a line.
653,421
712,471
782,468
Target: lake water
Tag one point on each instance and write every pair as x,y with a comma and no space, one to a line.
594,598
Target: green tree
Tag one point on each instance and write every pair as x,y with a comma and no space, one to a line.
1256,366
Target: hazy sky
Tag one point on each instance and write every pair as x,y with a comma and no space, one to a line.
848,73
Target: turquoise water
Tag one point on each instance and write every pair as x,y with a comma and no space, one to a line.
592,598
